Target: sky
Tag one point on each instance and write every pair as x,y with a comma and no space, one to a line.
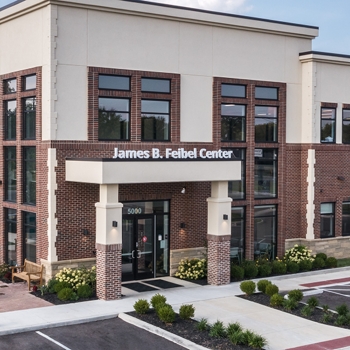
331,16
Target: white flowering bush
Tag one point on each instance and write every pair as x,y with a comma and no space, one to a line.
193,269
77,277
298,254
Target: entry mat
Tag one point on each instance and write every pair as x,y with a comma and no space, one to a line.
142,287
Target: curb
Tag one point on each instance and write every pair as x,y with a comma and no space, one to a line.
161,332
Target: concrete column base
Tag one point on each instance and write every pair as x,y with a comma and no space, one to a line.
219,260
109,271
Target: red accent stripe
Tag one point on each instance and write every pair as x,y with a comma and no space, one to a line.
324,283
326,345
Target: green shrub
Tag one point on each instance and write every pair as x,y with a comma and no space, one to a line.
51,285
141,306
265,270
202,325
237,338
297,254
276,300
306,310
262,285
166,313
217,330
78,277
84,291
256,341
342,310
250,269
331,262
341,320
237,272
248,287
325,308
193,269
323,256
312,302
247,336
290,304
318,263
271,289
296,294
61,285
186,311
279,267
293,267
305,265
233,328
65,294
327,318
158,300
4,269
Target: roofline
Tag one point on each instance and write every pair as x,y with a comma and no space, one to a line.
11,4
324,54
221,13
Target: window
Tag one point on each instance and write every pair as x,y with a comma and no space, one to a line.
29,175
327,220
237,234
233,90
266,93
346,125
346,219
155,118
29,82
11,234
265,223
265,124
29,115
113,118
113,82
233,122
29,236
10,174
328,125
236,189
155,85
10,120
10,86
265,173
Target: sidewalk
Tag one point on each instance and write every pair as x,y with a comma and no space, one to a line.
282,330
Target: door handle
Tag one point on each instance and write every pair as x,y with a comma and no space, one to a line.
138,254
133,254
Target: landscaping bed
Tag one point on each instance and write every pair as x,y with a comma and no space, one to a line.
53,299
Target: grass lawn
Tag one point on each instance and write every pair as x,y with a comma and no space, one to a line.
343,262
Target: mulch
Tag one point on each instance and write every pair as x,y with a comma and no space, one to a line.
187,329
52,298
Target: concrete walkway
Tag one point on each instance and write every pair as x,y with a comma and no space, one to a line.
282,330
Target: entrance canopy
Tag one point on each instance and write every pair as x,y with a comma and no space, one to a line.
113,171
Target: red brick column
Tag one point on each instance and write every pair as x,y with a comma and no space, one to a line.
219,259
109,271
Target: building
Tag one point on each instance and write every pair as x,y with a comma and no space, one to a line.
135,134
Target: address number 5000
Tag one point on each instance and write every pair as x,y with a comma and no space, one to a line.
134,210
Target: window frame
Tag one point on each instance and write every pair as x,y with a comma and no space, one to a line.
6,171
242,220
345,142
114,75
8,222
25,112
231,84
24,77
3,87
6,116
24,231
244,122
25,163
243,159
155,91
275,133
267,87
344,222
334,128
331,216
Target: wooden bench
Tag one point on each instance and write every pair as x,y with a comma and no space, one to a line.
28,272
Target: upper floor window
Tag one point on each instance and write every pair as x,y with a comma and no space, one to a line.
346,219
29,82
266,93
10,86
233,90
10,119
328,125
29,116
233,122
113,118
29,175
155,85
327,220
236,189
114,82
265,124
10,174
155,117
346,125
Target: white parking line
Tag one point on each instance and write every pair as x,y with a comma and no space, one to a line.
52,340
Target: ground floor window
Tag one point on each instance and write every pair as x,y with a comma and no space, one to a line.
11,235
327,220
346,219
237,234
265,231
29,236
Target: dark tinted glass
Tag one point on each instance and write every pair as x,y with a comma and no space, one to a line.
346,219
232,90
11,228
10,86
346,126
113,82
266,93
29,220
29,109
10,174
328,125
155,85
29,82
236,189
10,120
265,124
29,195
